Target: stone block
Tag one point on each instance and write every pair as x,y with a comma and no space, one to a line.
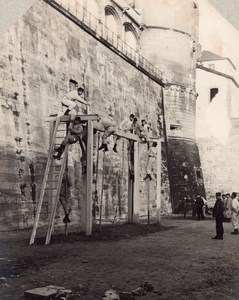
46,293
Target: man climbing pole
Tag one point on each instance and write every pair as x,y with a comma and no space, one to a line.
69,101
152,154
64,196
75,134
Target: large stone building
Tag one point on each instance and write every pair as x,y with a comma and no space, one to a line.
217,103
217,123
131,56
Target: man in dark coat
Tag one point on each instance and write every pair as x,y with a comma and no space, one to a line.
65,195
76,133
217,213
199,205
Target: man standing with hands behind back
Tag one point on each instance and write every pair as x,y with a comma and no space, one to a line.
217,213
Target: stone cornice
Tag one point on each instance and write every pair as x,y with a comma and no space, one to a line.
181,88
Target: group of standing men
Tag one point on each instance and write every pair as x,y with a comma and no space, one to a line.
224,207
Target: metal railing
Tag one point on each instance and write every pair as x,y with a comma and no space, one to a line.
101,31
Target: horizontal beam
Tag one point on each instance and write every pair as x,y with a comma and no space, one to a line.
66,118
98,126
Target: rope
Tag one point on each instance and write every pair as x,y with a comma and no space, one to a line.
122,180
102,190
95,198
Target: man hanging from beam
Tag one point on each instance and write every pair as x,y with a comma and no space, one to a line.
65,195
109,127
76,133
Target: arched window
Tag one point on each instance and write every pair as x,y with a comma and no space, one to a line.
130,36
213,93
112,19
73,85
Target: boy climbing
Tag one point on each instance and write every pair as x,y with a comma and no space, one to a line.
152,154
69,101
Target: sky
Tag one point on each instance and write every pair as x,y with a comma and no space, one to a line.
229,9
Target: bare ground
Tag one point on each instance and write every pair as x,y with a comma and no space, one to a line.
179,258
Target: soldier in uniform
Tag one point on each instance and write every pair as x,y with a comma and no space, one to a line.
199,207
217,213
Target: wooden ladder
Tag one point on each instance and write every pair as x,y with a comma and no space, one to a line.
53,176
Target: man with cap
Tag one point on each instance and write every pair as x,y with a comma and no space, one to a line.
235,213
70,99
217,213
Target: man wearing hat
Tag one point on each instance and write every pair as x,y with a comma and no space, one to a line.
69,100
218,215
235,213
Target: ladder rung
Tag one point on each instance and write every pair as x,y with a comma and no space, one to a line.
52,181
54,174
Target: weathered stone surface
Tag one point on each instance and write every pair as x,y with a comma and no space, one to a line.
39,55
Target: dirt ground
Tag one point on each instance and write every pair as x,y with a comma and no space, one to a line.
178,258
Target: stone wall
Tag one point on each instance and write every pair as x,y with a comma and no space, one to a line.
38,57
220,164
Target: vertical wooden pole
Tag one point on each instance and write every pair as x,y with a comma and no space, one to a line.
136,200
102,189
83,203
130,184
89,179
51,177
148,204
158,195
